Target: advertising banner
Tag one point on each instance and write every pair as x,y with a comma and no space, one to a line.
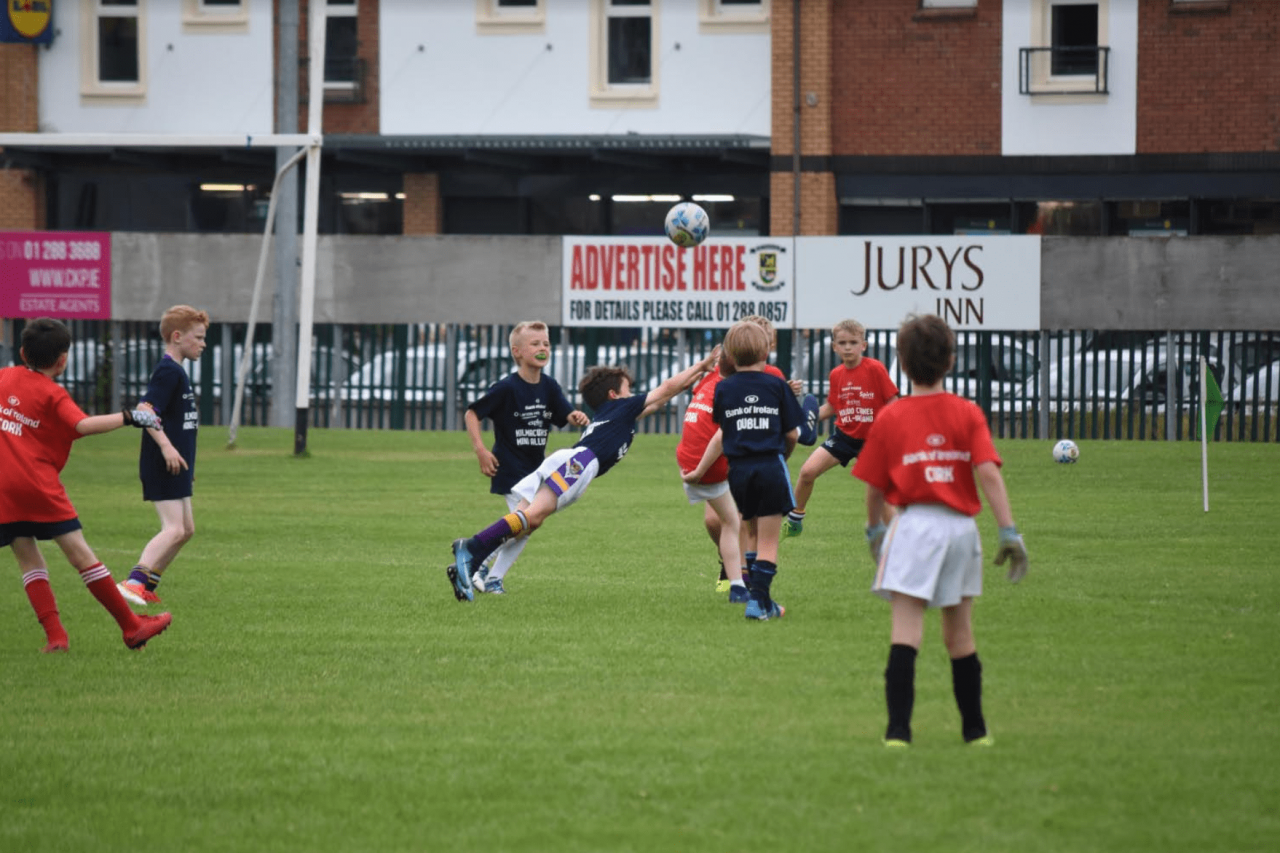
973,282
61,274
649,281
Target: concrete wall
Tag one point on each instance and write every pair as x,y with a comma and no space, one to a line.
1195,283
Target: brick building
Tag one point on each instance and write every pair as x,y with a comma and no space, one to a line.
551,116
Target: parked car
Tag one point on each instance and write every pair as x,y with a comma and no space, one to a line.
414,375
1260,390
1130,376
1010,365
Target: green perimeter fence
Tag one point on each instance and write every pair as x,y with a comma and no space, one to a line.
1061,384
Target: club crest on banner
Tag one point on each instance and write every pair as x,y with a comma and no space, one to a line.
768,259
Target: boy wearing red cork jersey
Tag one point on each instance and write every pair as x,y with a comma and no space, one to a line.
858,389
922,455
38,423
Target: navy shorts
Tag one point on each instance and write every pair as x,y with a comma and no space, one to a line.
842,447
761,486
36,530
163,486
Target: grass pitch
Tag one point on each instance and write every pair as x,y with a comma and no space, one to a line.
321,690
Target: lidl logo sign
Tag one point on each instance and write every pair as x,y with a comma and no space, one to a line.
27,21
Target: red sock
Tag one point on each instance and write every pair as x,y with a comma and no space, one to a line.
36,583
98,578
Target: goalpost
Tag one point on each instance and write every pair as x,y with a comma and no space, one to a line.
310,144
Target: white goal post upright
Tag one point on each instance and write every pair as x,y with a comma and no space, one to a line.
246,357
310,142
310,217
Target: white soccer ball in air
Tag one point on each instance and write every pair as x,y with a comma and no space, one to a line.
687,224
1065,451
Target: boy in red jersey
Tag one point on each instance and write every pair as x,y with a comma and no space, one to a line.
859,387
38,423
720,516
923,455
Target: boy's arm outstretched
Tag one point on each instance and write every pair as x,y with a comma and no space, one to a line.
675,384
142,418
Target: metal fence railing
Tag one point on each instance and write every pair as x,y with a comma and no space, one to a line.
1076,384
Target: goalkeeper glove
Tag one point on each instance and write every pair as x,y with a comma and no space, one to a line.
140,418
875,540
1012,549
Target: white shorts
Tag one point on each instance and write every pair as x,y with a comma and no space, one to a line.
697,492
566,472
931,552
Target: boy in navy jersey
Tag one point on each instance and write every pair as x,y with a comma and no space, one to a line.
523,406
923,455
563,477
760,421
167,458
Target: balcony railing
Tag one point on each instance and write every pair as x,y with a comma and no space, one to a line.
1063,70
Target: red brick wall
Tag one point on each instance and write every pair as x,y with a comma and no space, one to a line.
423,212
818,203
1209,81
21,196
911,83
340,117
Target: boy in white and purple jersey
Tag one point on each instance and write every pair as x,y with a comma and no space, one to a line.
922,455
563,477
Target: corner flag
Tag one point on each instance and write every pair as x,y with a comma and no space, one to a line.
1210,410
1210,396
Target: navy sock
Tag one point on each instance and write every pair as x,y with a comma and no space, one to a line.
140,575
900,691
966,683
761,582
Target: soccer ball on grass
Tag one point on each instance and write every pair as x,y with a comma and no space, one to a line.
687,224
1065,451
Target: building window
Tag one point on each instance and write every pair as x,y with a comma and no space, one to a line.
340,46
215,16
624,35
744,16
1068,52
112,64
629,43
1074,38
948,4
507,17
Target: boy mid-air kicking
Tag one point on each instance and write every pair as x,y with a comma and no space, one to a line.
564,476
